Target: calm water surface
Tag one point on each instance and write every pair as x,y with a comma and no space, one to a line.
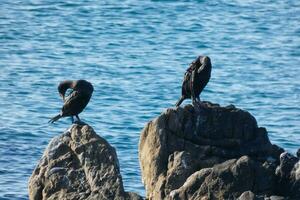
135,54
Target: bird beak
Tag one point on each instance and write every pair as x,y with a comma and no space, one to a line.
62,96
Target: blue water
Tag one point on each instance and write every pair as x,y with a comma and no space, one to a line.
135,54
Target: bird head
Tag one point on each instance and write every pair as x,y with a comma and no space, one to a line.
63,87
203,62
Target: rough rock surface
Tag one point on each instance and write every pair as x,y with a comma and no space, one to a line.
209,153
78,164
288,174
227,180
249,195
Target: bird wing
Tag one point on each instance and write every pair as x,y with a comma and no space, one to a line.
186,84
200,68
187,76
71,104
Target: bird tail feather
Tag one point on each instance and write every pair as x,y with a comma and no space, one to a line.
57,117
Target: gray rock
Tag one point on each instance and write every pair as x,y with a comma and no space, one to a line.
287,163
77,165
288,174
275,197
182,142
227,180
248,195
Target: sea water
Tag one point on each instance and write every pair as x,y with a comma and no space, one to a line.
135,53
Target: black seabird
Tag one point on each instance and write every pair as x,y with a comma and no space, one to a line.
195,79
76,101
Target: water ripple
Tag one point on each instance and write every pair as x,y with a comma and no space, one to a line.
135,54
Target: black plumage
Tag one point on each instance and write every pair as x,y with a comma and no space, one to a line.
195,79
78,99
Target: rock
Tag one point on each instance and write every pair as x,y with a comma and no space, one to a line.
78,164
248,195
184,143
275,197
287,163
227,180
288,174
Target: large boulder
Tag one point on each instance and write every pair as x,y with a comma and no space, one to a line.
184,144
78,164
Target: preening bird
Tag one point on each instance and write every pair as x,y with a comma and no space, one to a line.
76,101
195,79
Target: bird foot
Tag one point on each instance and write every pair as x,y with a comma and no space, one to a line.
199,106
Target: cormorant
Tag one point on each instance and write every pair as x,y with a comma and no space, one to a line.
195,79
76,101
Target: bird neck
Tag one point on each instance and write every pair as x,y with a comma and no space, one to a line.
64,86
